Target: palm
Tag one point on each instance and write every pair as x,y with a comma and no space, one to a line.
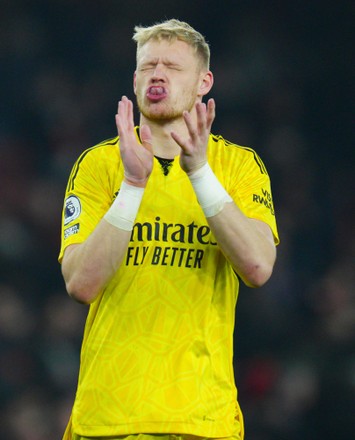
137,158
194,149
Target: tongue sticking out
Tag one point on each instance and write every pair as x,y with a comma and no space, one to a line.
156,90
156,93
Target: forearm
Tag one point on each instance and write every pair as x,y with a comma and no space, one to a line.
247,244
89,266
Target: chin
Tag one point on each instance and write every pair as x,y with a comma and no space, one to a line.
159,114
164,110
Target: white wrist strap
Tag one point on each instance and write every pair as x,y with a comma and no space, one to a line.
210,193
124,209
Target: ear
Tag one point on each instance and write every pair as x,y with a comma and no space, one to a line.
206,83
135,83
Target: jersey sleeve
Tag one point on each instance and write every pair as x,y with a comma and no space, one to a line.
251,191
87,199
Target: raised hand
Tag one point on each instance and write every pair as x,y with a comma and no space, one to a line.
137,159
194,149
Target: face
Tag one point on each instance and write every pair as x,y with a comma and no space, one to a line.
168,79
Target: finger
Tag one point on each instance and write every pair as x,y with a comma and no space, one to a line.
178,139
120,119
124,120
130,113
146,137
127,112
119,116
211,113
117,120
190,125
201,117
122,106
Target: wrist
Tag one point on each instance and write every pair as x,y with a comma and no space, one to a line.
124,209
196,168
138,183
209,191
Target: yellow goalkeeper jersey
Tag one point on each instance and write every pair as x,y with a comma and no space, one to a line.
157,352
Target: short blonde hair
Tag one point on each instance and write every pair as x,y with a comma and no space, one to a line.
173,30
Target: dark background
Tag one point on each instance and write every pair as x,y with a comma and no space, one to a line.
283,86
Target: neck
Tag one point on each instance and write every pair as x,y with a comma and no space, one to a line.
163,144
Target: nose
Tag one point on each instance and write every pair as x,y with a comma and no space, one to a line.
158,73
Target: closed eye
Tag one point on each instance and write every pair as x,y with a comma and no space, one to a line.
174,67
146,68
152,66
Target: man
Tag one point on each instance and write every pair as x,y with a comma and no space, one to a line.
163,220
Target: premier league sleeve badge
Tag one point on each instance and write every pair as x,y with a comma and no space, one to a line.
72,209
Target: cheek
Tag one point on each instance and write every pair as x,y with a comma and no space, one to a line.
135,82
136,86
190,91
138,83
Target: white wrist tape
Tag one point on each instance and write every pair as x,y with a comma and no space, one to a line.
210,193
124,209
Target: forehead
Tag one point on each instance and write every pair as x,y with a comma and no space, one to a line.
177,51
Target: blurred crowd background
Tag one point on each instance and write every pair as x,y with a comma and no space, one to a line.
283,86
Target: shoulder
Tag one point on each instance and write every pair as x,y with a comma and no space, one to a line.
234,153
95,160
105,149
99,154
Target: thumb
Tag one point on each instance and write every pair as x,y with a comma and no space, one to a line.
146,138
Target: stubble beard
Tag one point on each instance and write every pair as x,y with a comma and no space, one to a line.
166,112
